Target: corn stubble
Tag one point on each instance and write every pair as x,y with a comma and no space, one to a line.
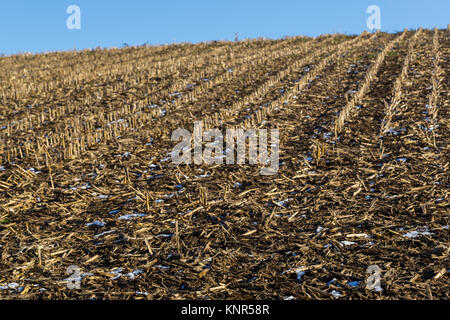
86,179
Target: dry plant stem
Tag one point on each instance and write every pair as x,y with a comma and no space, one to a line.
356,98
397,93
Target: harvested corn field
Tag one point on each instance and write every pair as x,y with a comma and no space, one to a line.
92,205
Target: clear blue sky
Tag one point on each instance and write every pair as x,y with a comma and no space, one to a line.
38,26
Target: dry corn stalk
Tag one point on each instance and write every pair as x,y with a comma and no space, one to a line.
397,90
436,79
370,76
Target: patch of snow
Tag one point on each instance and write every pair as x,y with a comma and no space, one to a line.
420,232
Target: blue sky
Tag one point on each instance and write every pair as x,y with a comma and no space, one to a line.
40,26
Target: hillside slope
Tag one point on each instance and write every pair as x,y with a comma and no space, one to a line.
86,177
